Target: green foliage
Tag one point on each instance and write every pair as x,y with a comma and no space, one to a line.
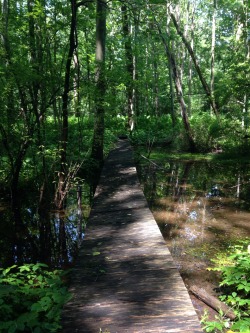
208,131
31,299
151,129
114,126
235,273
224,132
218,325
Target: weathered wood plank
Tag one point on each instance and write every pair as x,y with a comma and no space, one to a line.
125,279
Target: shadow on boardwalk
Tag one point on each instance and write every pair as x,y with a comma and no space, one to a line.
125,279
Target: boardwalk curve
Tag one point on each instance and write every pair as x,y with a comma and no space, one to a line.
125,279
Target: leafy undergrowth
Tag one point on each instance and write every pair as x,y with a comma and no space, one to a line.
31,299
235,285
159,154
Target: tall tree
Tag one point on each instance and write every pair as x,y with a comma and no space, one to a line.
190,64
213,46
196,63
60,192
245,110
178,87
129,66
21,91
100,79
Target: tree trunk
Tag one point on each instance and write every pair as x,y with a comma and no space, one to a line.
98,137
213,48
15,157
185,119
18,163
130,66
178,88
245,111
190,69
135,62
172,108
60,195
196,65
5,20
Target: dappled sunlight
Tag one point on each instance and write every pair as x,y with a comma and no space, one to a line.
125,276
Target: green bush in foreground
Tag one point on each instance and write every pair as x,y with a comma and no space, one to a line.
31,299
236,283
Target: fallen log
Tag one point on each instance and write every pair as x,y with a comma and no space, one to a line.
212,301
146,158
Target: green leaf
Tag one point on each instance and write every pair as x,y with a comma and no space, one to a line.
7,270
37,307
33,297
96,253
24,268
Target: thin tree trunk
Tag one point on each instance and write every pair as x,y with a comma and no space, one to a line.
196,64
15,157
37,88
18,166
4,21
173,115
190,63
98,137
178,87
245,123
60,195
213,48
135,61
129,64
156,87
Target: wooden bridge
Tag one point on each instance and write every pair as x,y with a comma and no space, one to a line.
125,279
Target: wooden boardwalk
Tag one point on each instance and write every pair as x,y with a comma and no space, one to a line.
125,279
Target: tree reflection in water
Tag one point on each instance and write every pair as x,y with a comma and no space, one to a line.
31,233
201,208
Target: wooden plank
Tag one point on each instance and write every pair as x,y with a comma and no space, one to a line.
125,279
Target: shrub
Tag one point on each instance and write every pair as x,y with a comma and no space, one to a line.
236,287
31,299
152,129
206,130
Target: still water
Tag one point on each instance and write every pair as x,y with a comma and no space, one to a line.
202,208
30,235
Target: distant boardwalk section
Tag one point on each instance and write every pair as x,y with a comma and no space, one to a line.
125,279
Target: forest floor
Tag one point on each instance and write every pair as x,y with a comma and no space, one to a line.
203,279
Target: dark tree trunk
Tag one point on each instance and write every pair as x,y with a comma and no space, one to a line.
60,195
17,166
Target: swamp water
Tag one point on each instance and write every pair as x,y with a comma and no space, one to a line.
202,208
52,237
